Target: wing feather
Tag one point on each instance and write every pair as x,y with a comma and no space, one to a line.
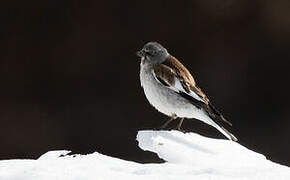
176,77
166,76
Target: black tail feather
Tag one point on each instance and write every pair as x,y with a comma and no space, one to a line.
214,112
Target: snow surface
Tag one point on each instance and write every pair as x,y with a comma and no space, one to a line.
187,156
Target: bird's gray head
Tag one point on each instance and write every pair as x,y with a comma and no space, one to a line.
153,53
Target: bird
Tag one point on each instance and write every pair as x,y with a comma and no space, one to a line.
171,89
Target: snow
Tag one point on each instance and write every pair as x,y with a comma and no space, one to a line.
187,156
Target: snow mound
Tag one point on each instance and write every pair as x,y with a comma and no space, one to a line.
212,156
188,156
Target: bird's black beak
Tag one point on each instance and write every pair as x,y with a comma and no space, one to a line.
140,53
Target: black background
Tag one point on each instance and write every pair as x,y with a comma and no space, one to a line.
70,78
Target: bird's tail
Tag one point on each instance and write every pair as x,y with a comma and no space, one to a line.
229,135
221,129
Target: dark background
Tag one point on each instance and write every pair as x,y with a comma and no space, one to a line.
70,79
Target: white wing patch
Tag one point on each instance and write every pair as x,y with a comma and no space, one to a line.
178,87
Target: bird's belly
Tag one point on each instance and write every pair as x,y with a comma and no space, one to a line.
166,100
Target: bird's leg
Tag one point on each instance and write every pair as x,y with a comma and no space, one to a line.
179,124
168,121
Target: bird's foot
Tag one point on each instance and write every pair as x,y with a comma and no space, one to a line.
179,129
160,128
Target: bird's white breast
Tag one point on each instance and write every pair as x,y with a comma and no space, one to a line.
152,93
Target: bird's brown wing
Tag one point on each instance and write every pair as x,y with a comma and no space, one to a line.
189,85
164,74
168,77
